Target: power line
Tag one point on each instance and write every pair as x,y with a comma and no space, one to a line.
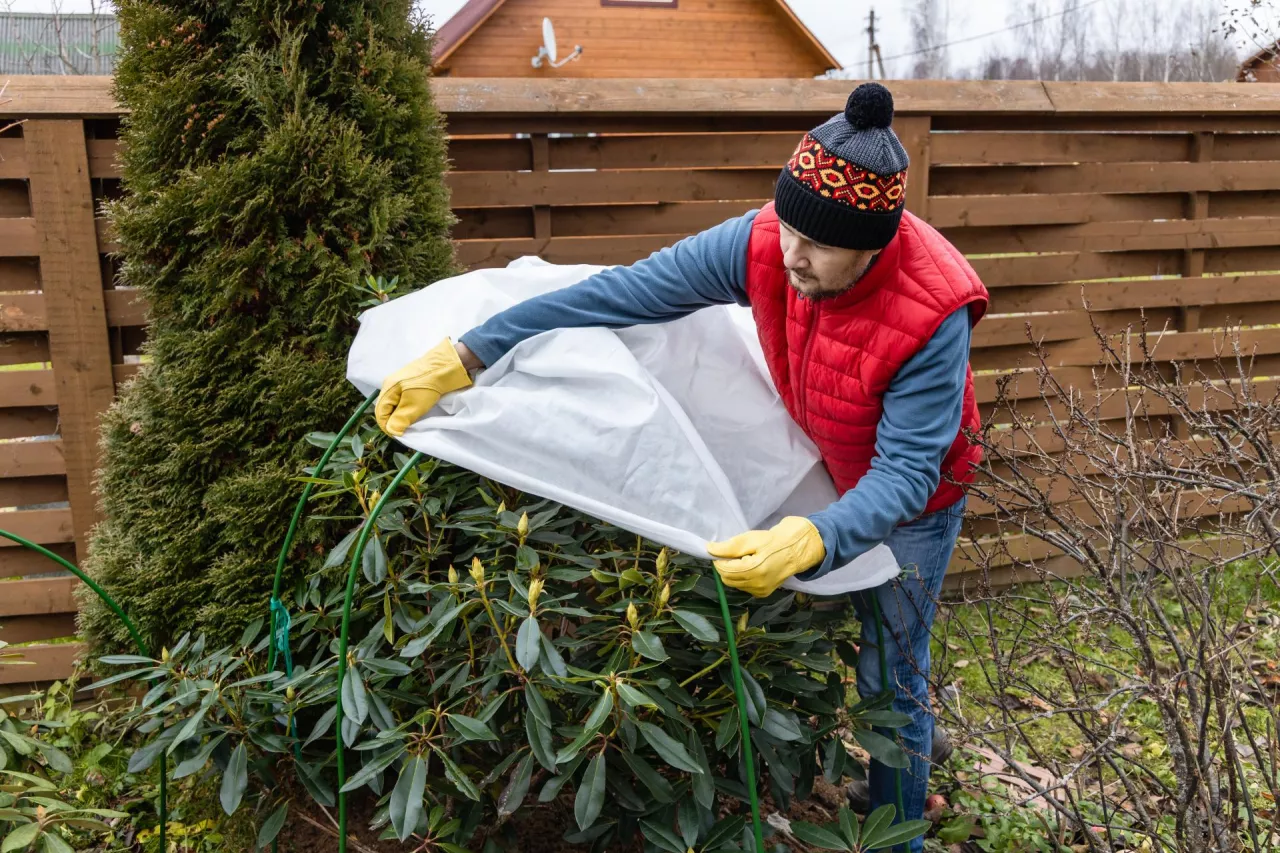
932,48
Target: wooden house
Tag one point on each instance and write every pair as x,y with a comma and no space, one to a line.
1262,67
630,38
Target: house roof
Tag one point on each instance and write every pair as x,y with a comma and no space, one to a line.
1266,56
472,16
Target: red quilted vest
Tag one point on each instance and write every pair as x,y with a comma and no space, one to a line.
833,360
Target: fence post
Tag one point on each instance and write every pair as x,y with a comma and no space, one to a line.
71,278
1193,259
541,213
914,131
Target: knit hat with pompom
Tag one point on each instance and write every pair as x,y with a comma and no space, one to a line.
847,182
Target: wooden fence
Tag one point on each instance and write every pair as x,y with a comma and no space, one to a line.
1043,185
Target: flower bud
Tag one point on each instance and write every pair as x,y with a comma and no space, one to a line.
633,616
523,526
535,590
502,507
665,595
164,655
453,575
742,623
374,497
477,570
290,693
661,563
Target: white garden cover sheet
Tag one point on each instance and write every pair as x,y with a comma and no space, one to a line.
671,431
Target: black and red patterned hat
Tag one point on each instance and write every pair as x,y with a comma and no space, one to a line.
846,184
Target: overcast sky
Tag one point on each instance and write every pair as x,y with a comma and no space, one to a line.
841,24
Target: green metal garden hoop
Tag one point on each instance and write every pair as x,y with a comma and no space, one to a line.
133,632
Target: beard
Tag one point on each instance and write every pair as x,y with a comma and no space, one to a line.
804,287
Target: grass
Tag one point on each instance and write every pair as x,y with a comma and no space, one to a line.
967,635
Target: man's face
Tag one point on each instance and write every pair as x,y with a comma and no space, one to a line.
820,272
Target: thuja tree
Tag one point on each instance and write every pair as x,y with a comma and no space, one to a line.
274,154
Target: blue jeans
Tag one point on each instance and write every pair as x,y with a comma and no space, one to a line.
907,605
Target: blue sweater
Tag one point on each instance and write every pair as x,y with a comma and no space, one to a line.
922,407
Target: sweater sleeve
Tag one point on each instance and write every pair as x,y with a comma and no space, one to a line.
922,414
706,269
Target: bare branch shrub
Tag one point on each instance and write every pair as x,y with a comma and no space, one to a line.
1128,510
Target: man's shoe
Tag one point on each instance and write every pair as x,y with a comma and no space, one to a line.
859,794
942,747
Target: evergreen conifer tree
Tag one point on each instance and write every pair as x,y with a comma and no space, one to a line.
275,153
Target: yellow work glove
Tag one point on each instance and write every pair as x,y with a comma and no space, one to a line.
409,393
758,561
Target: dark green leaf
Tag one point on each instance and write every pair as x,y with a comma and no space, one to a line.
272,825
661,837
816,836
322,726
125,660
552,657
373,768
697,625
877,820
355,700
539,737
650,778
670,749
849,826
704,785
339,553
897,834
513,795
635,697
319,789
648,645
590,797
528,643
197,761
235,779
724,832
526,560
600,713
755,696
374,560
537,704
145,756
688,815
885,719
460,780
470,728
784,727
881,748
769,612
405,807
57,759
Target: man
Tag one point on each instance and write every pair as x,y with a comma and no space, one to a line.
864,313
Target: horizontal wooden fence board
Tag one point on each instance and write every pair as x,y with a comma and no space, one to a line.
1050,209
48,663
30,629
520,189
18,237
37,458
1137,293
26,422
28,388
1105,178
22,562
13,159
37,596
995,148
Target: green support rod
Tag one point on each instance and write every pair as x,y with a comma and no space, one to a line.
365,531
297,517
133,632
748,756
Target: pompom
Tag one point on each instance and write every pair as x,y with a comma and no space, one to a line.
869,105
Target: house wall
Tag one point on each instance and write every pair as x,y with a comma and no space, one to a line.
696,38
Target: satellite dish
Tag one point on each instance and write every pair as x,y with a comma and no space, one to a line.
549,40
549,53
